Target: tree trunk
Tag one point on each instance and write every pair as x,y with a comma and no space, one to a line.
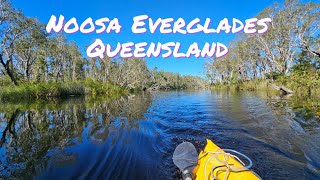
8,71
13,79
106,73
74,64
283,89
28,70
10,123
315,53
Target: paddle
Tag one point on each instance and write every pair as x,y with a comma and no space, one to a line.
185,157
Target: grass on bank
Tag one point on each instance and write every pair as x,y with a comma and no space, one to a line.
305,82
47,90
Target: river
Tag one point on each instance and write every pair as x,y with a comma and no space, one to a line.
134,137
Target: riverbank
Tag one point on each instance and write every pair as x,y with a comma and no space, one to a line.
49,90
153,81
305,86
63,134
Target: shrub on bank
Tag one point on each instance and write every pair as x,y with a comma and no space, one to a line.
56,90
252,85
97,88
304,81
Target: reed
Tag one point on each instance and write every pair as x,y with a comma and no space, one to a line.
57,90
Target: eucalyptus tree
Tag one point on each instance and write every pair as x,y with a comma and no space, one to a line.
307,28
12,28
77,62
132,73
294,31
106,67
60,58
28,47
294,26
136,73
29,54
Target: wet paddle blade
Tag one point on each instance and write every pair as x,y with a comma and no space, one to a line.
185,156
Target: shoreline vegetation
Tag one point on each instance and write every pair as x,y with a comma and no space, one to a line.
36,65
51,90
288,56
91,87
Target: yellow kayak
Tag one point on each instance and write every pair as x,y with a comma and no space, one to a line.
215,163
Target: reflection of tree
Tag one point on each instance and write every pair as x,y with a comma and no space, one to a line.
30,136
9,127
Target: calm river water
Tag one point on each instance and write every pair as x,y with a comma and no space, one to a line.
134,137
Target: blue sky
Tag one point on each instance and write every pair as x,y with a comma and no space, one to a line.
125,10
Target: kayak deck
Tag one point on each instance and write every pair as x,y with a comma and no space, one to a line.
213,162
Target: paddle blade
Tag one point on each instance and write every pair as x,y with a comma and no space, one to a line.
185,156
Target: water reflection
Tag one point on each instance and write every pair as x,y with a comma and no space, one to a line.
134,137
35,135
287,137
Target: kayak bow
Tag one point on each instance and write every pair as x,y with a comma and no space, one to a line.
216,163
213,163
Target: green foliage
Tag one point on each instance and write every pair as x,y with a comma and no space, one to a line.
271,55
274,75
252,85
304,80
34,65
287,55
5,81
97,88
40,91
167,80
55,90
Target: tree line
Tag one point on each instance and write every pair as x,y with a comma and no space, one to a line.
292,40
29,55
